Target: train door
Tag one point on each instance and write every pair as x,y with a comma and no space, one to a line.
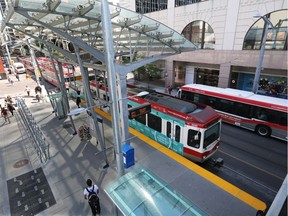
173,131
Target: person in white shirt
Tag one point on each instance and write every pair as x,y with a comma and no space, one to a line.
91,195
27,89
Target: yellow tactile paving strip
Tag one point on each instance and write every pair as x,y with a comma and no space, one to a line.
233,190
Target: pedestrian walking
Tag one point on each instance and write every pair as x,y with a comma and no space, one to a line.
78,99
169,87
8,99
11,108
27,89
91,195
17,77
38,89
38,96
4,114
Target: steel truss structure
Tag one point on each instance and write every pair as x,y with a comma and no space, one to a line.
93,34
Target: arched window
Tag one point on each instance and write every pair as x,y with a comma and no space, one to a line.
276,38
200,33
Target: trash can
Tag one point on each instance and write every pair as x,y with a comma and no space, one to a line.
128,155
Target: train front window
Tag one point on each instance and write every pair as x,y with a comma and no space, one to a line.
194,138
211,135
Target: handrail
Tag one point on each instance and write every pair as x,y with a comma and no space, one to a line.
41,146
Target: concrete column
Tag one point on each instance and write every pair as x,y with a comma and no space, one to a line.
190,74
169,65
224,75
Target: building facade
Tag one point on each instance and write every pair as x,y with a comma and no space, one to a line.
229,38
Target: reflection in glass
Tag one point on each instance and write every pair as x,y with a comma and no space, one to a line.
276,38
200,33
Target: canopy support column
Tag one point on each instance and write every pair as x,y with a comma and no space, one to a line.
89,100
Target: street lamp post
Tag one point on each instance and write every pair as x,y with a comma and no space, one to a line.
267,22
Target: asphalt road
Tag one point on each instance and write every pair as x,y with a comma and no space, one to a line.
256,164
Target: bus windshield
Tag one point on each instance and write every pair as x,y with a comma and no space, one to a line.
211,134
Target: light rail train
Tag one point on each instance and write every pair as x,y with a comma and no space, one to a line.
48,73
190,129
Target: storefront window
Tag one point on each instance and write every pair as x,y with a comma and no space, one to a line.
276,37
207,76
201,34
275,86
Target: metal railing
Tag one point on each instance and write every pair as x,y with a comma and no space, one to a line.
35,133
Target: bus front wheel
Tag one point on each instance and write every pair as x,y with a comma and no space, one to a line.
263,130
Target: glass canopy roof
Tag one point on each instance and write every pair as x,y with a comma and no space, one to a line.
141,193
81,19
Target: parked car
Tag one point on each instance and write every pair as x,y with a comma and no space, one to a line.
19,68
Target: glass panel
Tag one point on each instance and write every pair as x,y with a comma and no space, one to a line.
276,37
195,31
148,196
81,26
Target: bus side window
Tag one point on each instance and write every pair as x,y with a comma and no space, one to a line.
211,101
225,106
283,120
260,113
168,129
241,109
187,95
191,141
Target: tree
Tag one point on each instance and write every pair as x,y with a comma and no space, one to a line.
149,71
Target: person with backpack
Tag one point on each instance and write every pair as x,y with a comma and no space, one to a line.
91,194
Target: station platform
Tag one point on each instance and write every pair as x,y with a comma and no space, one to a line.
73,161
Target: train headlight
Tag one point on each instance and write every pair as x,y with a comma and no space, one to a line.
204,157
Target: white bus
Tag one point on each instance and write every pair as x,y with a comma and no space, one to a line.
265,115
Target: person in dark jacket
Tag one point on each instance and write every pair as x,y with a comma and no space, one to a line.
78,99
10,108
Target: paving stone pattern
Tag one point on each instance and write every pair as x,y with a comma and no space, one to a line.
30,193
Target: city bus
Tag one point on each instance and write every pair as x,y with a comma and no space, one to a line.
265,115
189,129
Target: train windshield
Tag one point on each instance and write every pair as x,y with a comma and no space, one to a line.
211,134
